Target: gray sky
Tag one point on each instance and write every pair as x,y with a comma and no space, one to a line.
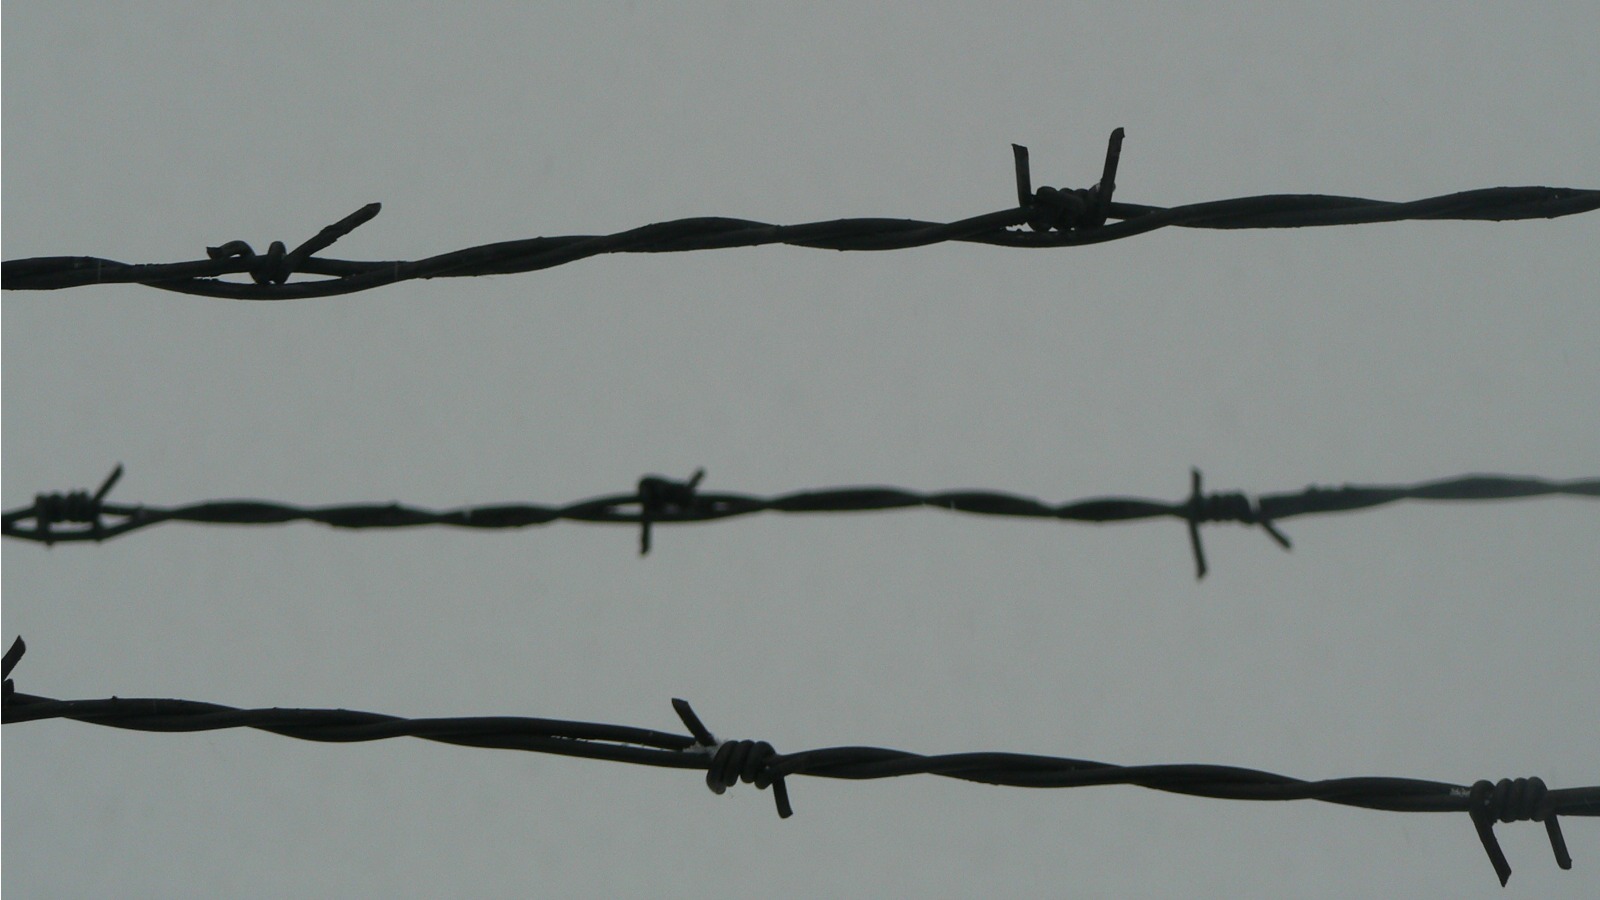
1450,642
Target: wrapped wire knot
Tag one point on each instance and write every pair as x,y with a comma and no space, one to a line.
1230,507
277,264
741,760
1056,209
76,507
661,498
1514,800
269,268
1511,800
735,761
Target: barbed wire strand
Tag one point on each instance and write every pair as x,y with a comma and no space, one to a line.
726,763
661,501
1055,217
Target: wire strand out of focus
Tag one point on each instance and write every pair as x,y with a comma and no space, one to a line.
663,501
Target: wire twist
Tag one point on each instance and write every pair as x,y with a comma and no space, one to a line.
1055,218
726,763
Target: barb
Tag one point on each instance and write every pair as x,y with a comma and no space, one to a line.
659,497
733,761
12,657
1204,507
1058,218
755,762
659,501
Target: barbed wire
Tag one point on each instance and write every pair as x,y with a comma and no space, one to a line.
726,763
1055,217
662,501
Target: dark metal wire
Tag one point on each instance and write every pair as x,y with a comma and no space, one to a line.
1056,217
726,763
659,501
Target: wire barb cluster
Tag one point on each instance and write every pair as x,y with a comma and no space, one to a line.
1057,218
76,507
756,762
1051,209
659,500
1514,800
735,761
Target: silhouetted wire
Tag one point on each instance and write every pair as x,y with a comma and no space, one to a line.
1056,217
726,763
660,501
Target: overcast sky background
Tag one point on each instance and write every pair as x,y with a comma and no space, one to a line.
1451,642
